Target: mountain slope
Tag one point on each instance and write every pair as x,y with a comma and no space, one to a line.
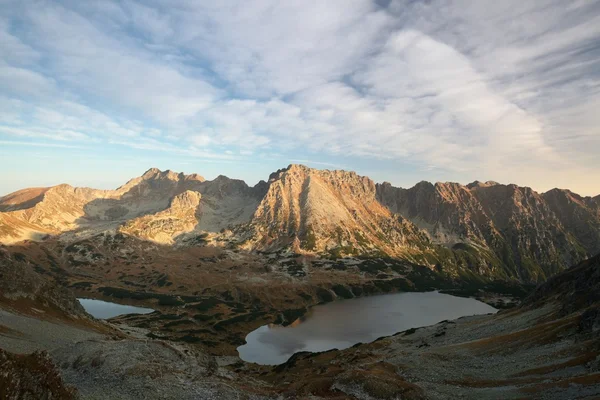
512,226
579,215
179,218
481,229
328,212
33,214
25,286
22,199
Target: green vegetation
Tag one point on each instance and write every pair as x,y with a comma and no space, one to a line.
170,301
203,317
206,304
310,241
409,331
20,257
163,299
360,239
342,251
81,285
177,323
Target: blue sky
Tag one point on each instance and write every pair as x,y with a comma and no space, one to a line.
96,92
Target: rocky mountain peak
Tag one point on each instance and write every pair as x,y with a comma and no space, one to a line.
476,184
223,186
150,173
194,177
502,230
451,191
297,167
275,175
155,173
322,210
22,199
424,185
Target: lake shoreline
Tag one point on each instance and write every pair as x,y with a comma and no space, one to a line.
105,310
343,324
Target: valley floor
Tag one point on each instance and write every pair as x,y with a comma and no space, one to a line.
522,353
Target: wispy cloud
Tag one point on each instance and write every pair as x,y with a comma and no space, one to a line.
40,144
509,90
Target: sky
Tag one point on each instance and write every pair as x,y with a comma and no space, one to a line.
93,93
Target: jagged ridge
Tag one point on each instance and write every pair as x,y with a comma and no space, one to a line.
488,229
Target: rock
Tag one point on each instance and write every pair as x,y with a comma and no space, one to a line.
489,229
31,377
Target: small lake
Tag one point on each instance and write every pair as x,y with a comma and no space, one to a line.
342,324
104,309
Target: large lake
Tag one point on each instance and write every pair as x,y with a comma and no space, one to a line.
342,324
104,310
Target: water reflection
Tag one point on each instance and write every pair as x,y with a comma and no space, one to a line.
104,309
344,323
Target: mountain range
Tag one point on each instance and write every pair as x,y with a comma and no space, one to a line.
480,229
217,259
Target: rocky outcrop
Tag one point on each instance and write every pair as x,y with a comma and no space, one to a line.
31,377
24,289
447,211
163,227
579,215
34,214
328,212
527,235
58,209
575,289
483,228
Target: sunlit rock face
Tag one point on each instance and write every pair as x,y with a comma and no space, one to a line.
163,227
329,212
513,229
486,228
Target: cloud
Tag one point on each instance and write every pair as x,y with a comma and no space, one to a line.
457,105
13,49
23,82
507,89
98,64
39,144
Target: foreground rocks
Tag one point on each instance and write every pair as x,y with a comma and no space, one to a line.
31,377
135,369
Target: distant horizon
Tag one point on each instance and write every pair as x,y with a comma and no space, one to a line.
398,90
253,183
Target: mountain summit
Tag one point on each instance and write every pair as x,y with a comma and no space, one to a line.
489,229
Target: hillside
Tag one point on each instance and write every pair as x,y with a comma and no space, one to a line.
528,235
